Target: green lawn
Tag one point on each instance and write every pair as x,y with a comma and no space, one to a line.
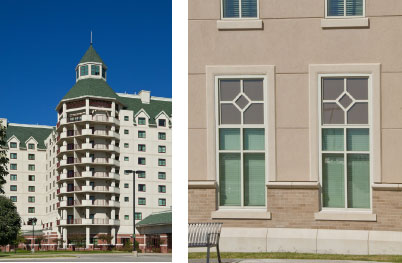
381,258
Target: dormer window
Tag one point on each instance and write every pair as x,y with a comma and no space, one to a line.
141,121
95,69
31,146
84,70
162,122
103,72
13,145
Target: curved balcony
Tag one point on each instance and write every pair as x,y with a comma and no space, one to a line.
85,203
97,147
88,188
85,221
87,118
100,175
67,176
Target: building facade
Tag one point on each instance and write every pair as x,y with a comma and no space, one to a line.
295,124
76,177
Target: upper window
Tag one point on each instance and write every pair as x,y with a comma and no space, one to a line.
162,135
345,8
13,156
141,121
31,156
126,118
95,69
84,70
241,142
31,146
141,134
239,9
345,134
31,167
13,145
162,122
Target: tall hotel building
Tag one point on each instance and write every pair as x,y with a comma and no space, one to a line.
73,177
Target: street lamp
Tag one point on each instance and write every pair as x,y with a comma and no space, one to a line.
134,173
33,221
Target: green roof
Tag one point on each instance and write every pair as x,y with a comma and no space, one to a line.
92,87
91,56
24,133
163,218
152,109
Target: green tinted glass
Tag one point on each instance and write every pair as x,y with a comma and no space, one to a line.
254,179
229,139
332,139
254,139
333,181
358,181
358,139
229,179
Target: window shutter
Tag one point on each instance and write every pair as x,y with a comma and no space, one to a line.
254,179
230,8
249,8
354,7
229,179
333,187
358,181
335,7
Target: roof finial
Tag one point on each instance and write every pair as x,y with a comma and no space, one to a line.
91,37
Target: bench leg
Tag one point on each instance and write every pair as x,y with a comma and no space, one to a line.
219,255
208,254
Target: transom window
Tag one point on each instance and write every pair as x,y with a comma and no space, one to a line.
239,8
84,70
345,8
345,141
241,148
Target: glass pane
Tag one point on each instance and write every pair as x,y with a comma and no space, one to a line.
358,181
358,140
335,7
254,139
358,88
332,88
345,101
333,181
254,114
249,8
228,89
332,114
332,139
230,114
229,139
230,8
358,114
242,102
254,179
229,179
253,89
354,7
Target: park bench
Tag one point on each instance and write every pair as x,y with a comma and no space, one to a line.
205,235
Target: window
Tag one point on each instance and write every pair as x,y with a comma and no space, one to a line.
103,72
345,142
31,199
162,188
141,121
141,201
141,188
141,147
31,156
126,199
162,135
162,175
141,134
239,9
31,209
162,122
31,188
161,149
13,166
77,75
161,162
13,156
126,118
138,216
126,217
13,188
345,8
141,174
95,70
84,70
13,145
31,167
162,202
31,146
141,160
126,145
125,131
13,177
31,177
13,199
241,142
125,185
126,158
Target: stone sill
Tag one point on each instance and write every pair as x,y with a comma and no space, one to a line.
293,185
345,216
201,184
239,24
387,187
344,22
241,214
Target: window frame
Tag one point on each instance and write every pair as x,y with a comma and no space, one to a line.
240,14
13,154
162,199
160,137
344,12
13,176
142,198
345,127
159,177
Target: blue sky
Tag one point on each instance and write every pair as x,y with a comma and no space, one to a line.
41,42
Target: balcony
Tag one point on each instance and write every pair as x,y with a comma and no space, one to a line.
90,188
84,117
65,176
87,221
95,174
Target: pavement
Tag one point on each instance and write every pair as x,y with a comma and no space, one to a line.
278,261
110,257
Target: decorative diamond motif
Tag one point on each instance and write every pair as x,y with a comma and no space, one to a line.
345,101
242,102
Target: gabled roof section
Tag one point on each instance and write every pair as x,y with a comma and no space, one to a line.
162,218
91,87
91,56
152,109
25,132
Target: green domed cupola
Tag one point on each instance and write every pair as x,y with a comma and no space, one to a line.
91,66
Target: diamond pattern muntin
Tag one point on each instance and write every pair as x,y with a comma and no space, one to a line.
242,102
345,101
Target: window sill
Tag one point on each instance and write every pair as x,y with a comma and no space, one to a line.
241,214
345,216
344,23
239,24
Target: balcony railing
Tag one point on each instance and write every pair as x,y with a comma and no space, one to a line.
100,174
74,118
100,118
77,202
74,221
100,202
100,160
100,132
100,147
100,221
100,188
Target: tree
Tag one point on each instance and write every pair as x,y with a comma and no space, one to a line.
10,222
3,157
20,239
106,238
39,239
77,239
